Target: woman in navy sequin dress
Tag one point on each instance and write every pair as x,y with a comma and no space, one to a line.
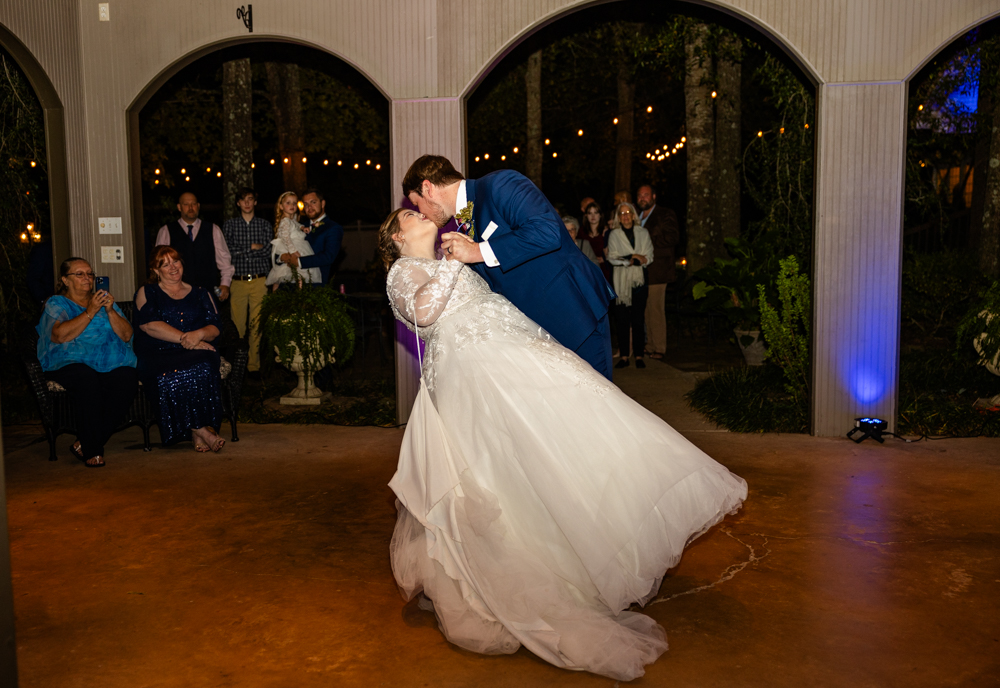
178,366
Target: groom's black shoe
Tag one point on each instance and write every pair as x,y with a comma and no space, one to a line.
639,363
622,363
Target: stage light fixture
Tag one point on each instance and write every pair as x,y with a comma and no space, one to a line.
868,427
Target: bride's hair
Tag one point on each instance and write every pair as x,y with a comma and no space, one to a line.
387,248
278,212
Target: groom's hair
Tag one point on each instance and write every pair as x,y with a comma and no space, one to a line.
436,169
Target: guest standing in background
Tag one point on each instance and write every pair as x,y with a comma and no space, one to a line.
630,250
248,238
573,227
661,223
593,234
205,254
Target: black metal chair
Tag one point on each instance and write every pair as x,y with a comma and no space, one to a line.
57,415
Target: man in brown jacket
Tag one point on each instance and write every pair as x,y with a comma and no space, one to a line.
661,223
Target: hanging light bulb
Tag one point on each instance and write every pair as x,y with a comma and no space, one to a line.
486,156
326,162
378,167
477,158
555,155
684,139
304,159
579,132
616,120
285,161
207,170
183,171
503,157
218,174
714,94
187,179
355,165
272,161
339,163
33,163
156,171
515,149
547,142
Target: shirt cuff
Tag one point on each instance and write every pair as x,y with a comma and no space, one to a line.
489,257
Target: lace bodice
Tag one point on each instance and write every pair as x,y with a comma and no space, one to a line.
424,291
455,310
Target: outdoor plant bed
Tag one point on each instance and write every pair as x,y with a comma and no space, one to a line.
749,399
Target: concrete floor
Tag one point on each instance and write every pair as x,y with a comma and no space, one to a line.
267,565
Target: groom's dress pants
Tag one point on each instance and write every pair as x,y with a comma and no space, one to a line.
596,349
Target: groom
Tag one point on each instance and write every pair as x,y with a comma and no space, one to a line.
511,235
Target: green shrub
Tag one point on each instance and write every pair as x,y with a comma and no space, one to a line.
787,333
749,399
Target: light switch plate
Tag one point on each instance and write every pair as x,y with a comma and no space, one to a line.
103,11
109,225
112,254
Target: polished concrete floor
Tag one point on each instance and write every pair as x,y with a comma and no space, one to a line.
267,565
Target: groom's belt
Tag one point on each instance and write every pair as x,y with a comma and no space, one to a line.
248,278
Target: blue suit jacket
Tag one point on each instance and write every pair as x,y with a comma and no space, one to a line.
541,270
325,239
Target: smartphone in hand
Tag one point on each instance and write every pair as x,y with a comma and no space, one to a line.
101,284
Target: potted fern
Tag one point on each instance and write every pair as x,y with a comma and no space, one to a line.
309,328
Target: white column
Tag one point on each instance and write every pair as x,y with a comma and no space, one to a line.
419,127
857,253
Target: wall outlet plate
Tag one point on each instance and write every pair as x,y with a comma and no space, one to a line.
109,225
103,11
112,254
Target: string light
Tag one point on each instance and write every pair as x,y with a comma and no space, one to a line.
157,181
477,158
207,170
304,159
515,149
253,165
187,179
760,134
156,171
616,120
662,153
807,125
339,163
714,94
781,131
503,157
649,109
326,162
183,171
684,139
33,163
579,132
31,226
919,107
368,162
555,155
218,174
547,142
272,161
378,167
486,157
355,165
285,161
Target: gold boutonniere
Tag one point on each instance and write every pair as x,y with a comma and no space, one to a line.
464,217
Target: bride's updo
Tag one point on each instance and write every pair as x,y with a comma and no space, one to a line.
388,249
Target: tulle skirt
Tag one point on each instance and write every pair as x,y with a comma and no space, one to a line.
537,501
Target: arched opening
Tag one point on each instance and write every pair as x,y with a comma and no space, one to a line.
357,197
950,254
582,148
55,142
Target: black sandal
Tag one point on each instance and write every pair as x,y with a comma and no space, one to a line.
77,451
93,465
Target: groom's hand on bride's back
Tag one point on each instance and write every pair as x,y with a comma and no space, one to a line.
457,246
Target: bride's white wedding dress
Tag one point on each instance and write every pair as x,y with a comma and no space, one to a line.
536,500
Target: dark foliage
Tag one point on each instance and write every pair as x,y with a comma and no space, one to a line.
749,399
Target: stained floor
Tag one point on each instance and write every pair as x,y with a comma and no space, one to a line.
267,566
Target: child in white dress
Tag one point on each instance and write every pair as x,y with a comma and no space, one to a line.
289,238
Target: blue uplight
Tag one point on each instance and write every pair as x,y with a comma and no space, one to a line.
868,386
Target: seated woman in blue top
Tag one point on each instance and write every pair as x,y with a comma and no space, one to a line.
178,366
84,345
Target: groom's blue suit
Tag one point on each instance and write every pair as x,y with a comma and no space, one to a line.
541,270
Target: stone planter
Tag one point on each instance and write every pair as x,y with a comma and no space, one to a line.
305,393
754,353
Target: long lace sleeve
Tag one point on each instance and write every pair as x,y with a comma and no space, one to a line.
413,289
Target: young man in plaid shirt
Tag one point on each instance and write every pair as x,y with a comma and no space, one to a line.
249,240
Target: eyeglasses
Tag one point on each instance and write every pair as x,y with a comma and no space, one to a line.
624,213
80,274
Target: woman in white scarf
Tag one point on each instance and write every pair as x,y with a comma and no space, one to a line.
630,251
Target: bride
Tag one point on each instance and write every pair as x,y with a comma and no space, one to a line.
536,500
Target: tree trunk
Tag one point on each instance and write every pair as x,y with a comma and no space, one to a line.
533,147
237,142
286,103
626,128
727,135
700,145
988,247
